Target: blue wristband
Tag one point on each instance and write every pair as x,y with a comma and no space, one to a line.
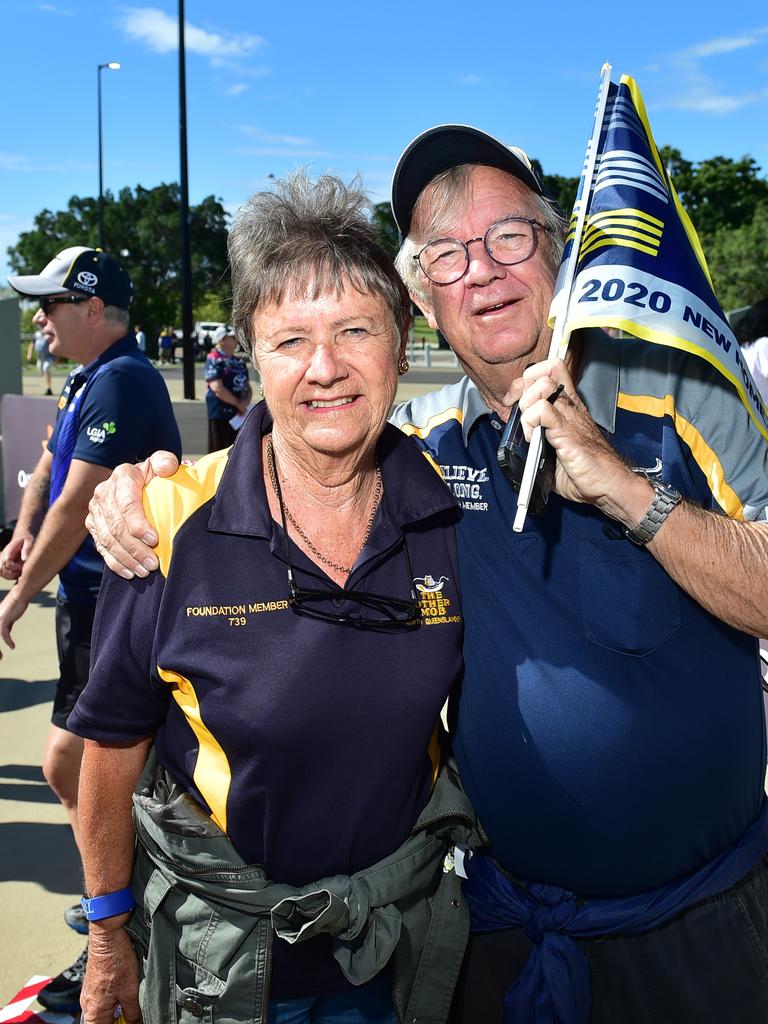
109,905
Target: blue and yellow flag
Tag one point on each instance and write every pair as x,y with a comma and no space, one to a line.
640,265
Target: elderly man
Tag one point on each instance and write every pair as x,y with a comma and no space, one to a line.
114,407
610,729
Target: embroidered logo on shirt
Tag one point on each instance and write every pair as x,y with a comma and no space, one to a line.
428,585
97,435
465,483
434,606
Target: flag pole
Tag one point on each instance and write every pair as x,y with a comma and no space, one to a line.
559,343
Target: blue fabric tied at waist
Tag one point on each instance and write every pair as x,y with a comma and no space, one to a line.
554,986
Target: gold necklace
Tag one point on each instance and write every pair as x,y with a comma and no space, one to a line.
278,494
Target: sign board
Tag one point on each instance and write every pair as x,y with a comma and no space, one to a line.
26,424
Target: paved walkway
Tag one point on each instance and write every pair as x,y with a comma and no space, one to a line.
39,869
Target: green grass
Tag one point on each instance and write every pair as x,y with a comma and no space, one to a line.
422,332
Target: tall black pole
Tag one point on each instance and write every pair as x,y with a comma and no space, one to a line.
101,168
186,259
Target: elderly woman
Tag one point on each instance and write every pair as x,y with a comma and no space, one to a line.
287,668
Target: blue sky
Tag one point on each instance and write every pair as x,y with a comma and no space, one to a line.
344,86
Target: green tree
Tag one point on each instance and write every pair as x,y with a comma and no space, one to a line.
717,193
142,231
738,261
384,222
213,306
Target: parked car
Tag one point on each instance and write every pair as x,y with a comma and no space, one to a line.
204,331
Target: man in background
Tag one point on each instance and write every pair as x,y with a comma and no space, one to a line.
38,352
114,407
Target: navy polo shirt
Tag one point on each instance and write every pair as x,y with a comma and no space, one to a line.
116,409
610,730
314,745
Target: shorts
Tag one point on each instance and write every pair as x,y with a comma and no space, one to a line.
44,365
74,625
220,435
709,965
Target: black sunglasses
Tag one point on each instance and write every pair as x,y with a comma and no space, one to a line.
384,613
51,300
377,612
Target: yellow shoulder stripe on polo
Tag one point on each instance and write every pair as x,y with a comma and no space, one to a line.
212,775
169,502
705,457
435,750
434,421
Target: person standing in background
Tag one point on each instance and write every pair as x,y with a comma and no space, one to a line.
38,350
228,392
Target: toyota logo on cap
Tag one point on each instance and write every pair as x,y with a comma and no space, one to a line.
87,279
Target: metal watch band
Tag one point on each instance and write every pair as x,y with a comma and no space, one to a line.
664,500
109,905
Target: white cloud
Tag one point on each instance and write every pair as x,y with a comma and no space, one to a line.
237,89
269,138
50,9
705,100
159,31
20,162
13,162
722,44
469,80
280,151
689,87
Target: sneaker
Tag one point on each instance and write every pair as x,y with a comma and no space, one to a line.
63,992
47,391
75,918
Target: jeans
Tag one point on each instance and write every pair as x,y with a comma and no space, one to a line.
370,1004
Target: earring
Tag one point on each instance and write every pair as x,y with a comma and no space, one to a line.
403,366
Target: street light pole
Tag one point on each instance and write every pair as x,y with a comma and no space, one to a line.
186,256
113,65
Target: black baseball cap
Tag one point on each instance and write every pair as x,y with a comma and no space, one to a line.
78,269
448,145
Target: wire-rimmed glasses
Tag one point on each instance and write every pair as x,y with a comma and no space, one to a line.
509,241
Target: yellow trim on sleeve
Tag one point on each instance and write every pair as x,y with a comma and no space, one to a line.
434,421
169,502
705,457
212,775
433,464
435,750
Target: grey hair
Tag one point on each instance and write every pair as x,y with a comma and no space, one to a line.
305,238
440,203
118,317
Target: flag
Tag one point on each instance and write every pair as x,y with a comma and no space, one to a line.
640,265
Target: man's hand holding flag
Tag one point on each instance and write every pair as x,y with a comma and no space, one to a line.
632,259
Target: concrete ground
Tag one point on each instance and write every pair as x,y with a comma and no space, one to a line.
39,864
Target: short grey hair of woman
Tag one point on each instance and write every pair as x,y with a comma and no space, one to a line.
303,239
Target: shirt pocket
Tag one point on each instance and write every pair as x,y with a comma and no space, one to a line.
629,604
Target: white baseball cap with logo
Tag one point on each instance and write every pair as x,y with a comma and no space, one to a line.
78,269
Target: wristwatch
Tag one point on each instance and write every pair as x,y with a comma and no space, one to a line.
664,500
